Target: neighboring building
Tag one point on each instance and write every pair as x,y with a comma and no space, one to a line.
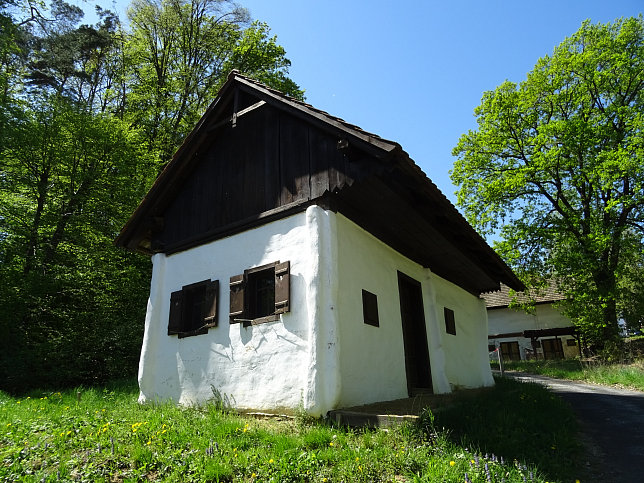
299,261
543,334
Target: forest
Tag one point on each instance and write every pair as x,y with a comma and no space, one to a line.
89,115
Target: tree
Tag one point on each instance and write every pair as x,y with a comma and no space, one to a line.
181,52
556,169
88,114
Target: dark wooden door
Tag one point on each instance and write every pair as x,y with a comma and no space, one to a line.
419,376
552,349
510,351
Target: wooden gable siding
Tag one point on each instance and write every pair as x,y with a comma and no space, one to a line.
269,160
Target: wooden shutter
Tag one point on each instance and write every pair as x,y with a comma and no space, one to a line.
210,304
282,287
237,286
176,308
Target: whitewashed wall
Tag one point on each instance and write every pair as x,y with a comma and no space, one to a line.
506,320
264,367
467,363
372,360
320,355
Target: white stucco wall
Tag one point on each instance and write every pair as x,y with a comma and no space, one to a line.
372,360
546,316
320,354
467,364
264,367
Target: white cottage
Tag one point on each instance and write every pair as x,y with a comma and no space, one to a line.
543,333
299,261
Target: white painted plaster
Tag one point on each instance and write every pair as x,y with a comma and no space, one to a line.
259,367
545,316
320,354
372,358
324,383
151,341
466,356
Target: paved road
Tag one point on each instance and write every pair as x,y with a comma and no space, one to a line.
612,423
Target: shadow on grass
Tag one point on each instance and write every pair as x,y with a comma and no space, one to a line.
516,420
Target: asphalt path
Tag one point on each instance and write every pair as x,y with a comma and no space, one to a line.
612,427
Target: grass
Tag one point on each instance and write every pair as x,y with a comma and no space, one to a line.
105,435
623,375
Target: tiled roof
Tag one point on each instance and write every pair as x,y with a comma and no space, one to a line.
502,298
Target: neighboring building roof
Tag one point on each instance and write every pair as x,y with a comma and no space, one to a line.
385,192
502,298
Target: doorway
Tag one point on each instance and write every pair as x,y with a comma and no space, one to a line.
417,368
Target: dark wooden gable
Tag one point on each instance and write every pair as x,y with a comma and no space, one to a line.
257,155
267,163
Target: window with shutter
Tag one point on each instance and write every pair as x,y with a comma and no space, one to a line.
282,287
193,309
237,308
260,294
174,324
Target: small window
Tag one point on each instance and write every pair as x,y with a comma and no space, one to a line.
370,308
260,294
450,323
193,309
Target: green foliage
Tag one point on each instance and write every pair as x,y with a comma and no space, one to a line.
556,169
183,51
88,115
98,434
68,294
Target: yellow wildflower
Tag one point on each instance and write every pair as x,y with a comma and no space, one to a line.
271,461
452,463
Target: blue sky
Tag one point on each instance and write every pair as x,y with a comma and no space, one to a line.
413,71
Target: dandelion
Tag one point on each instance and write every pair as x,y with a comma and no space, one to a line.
452,463
149,442
8,424
271,461
253,475
357,459
331,443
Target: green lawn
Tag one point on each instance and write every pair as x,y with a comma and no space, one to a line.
623,375
107,436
